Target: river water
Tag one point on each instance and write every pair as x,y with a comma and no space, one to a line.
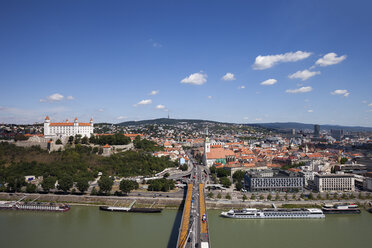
88,227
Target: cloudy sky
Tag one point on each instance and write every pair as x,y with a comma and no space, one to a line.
235,61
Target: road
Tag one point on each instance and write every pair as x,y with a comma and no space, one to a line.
198,178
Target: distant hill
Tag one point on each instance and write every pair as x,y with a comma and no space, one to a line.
303,126
164,121
274,125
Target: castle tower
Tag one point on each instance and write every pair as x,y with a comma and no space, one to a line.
91,122
46,126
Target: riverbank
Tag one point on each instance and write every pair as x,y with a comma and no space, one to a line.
165,202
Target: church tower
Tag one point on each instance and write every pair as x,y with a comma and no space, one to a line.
207,144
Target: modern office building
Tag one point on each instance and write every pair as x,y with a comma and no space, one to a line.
316,130
334,182
337,134
273,180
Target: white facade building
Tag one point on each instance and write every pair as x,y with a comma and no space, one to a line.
61,129
334,182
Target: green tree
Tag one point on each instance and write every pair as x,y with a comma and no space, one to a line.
65,183
228,196
253,197
214,178
70,139
31,188
213,169
219,196
95,150
245,198
84,140
262,197
269,197
343,160
94,191
82,184
15,183
286,197
221,172
225,182
128,185
58,142
105,184
238,176
238,186
166,175
277,197
311,196
48,183
210,195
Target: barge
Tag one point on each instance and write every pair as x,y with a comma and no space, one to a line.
131,210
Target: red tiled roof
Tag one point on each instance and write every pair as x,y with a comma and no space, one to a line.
217,153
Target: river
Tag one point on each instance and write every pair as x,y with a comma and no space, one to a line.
88,227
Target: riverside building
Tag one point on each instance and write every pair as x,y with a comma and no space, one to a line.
334,182
60,129
273,180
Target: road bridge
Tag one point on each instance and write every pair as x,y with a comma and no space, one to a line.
194,230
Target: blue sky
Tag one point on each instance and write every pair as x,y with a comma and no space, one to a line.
103,59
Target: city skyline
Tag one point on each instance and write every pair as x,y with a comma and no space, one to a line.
230,62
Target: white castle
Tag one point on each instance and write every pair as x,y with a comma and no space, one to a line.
61,129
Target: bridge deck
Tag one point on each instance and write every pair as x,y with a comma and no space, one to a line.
203,224
182,237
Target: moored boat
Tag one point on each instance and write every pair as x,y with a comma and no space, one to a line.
274,213
34,206
132,210
341,209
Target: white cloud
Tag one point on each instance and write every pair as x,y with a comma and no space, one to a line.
300,90
101,110
241,87
229,77
70,98
195,78
56,97
246,118
160,106
143,102
155,44
154,92
209,97
121,117
330,59
258,119
304,75
370,105
265,62
270,81
340,92
310,111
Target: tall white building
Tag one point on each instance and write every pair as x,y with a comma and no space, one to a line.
59,129
334,182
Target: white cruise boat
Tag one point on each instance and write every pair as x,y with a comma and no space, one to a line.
274,213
